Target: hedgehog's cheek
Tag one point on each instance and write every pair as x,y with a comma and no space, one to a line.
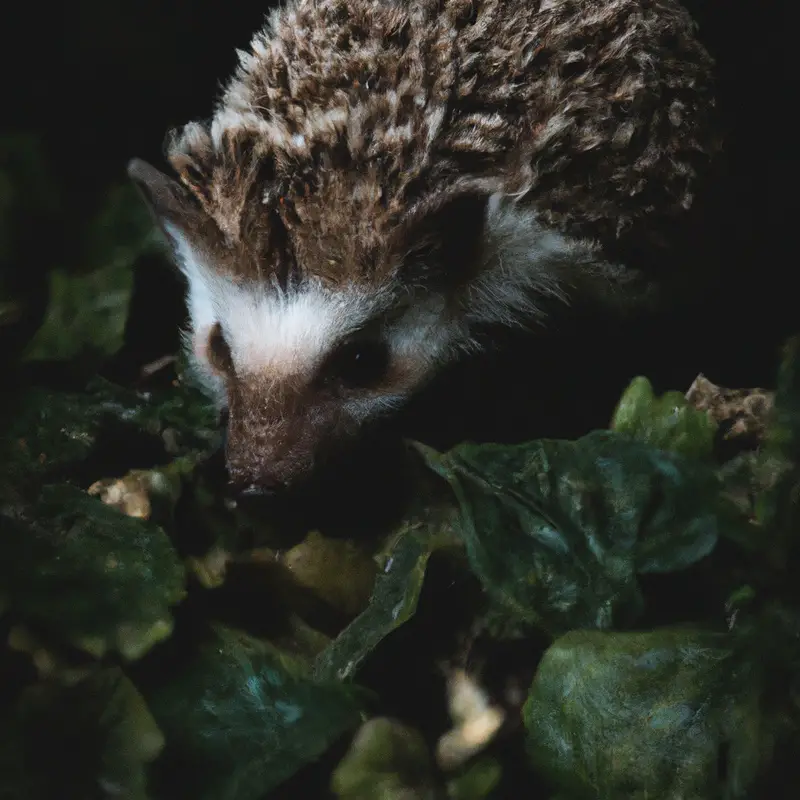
204,368
197,344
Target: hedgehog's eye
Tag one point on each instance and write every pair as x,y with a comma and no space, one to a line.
358,363
219,354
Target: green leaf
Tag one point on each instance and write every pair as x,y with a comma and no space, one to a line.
664,714
94,739
386,761
393,602
242,718
477,781
784,433
556,530
770,478
335,570
667,422
122,230
86,574
57,436
87,312
88,308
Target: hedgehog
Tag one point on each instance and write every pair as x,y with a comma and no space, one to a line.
384,182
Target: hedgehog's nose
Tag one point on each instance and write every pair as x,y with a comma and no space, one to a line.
264,488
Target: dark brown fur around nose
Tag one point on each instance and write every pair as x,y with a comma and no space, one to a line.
276,433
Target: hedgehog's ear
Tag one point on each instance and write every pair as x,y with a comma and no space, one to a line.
443,233
176,212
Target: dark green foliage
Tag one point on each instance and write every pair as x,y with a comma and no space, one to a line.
558,531
91,740
386,761
538,569
394,601
76,437
242,717
391,761
667,422
668,713
562,535
74,286
87,574
777,508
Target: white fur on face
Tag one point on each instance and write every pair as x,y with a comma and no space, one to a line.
266,329
283,334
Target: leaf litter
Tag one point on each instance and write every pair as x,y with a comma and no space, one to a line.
637,586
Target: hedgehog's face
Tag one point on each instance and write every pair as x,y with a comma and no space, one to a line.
298,364
300,371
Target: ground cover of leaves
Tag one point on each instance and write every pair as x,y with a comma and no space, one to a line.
611,617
